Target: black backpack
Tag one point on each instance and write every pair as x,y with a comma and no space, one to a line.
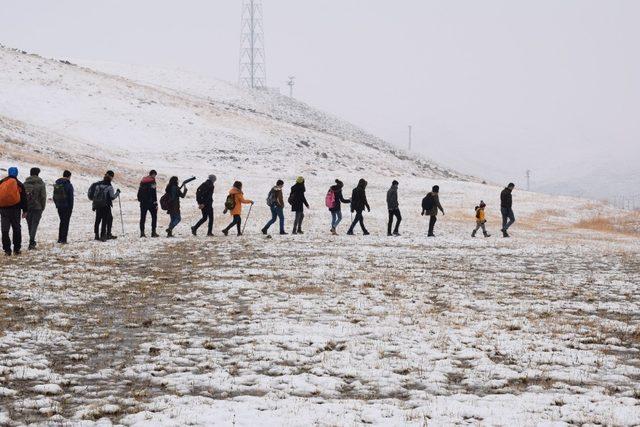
271,198
92,190
59,193
428,202
200,193
100,196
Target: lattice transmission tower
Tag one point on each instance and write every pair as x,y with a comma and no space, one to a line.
253,70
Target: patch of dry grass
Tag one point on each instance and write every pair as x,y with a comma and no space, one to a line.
628,224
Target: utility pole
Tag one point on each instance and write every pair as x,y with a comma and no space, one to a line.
291,83
253,71
410,132
528,180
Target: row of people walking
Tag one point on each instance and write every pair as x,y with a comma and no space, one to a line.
28,201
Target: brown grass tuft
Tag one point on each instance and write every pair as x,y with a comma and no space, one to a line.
625,224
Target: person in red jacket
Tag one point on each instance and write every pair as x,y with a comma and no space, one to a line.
13,200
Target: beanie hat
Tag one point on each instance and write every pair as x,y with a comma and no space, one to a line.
110,173
436,188
339,183
299,180
13,172
482,204
394,182
279,183
212,178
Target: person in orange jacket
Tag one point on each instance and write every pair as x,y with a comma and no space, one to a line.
234,203
480,220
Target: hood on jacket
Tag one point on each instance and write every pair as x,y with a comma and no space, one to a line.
33,180
235,190
147,180
362,183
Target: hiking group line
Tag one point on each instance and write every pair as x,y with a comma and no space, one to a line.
28,200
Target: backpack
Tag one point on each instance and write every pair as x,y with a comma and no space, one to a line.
477,213
271,198
330,199
230,203
9,193
59,193
428,202
100,196
165,202
140,195
92,190
200,193
290,199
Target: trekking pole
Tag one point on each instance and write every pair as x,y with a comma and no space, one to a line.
247,219
121,220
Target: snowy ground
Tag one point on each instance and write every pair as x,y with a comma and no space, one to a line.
319,329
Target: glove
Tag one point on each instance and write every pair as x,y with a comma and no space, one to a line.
200,207
224,212
368,209
422,213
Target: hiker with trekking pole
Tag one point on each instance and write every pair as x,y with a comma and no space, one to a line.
170,201
233,204
102,195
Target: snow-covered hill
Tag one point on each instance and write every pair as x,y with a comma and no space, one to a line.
175,120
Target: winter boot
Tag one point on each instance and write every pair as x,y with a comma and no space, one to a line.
365,233
194,231
486,234
473,233
300,231
169,232
154,234
225,232
142,235
504,233
32,246
283,233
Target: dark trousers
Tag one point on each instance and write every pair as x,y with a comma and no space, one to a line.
237,221
10,220
508,218
207,214
104,219
432,223
276,213
297,222
153,211
394,213
33,221
358,219
65,218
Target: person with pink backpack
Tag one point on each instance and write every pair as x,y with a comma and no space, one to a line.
333,201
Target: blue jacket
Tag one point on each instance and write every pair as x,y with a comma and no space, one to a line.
67,203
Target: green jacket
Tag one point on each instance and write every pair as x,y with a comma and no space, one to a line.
36,193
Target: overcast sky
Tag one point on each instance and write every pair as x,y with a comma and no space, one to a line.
491,87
